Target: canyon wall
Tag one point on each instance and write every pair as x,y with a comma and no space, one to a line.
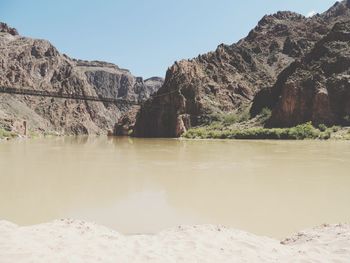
37,64
228,79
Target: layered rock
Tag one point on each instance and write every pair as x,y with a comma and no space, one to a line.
36,64
317,89
228,79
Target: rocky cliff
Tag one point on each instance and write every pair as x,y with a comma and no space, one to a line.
228,79
317,88
36,64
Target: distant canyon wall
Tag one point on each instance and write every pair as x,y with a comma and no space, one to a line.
37,64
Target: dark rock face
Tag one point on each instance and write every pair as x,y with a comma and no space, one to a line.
36,64
144,89
229,78
318,89
126,123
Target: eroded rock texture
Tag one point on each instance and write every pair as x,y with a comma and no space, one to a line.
229,78
126,123
36,64
318,88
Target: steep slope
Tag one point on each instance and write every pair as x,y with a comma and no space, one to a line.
228,79
317,89
36,64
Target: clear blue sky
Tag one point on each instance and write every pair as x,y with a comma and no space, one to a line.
145,36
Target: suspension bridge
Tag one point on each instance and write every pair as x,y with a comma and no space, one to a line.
52,94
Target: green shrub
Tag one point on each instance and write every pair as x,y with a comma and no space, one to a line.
265,114
300,132
303,131
216,126
7,134
244,116
226,119
322,127
230,118
214,134
196,133
326,135
216,117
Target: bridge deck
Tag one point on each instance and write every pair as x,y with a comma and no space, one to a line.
43,93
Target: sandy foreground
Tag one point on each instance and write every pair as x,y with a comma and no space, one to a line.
79,241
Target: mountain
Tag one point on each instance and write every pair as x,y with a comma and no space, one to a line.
36,64
317,88
228,79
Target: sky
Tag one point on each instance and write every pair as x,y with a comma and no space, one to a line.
144,36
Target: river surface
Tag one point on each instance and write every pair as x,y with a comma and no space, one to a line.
271,188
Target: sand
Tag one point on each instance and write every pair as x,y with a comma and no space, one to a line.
79,241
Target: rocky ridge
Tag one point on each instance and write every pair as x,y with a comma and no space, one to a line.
37,64
228,79
317,88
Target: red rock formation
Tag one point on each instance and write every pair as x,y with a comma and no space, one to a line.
229,78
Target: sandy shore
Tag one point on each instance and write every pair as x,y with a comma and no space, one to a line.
78,241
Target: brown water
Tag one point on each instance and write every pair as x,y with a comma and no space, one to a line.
270,188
